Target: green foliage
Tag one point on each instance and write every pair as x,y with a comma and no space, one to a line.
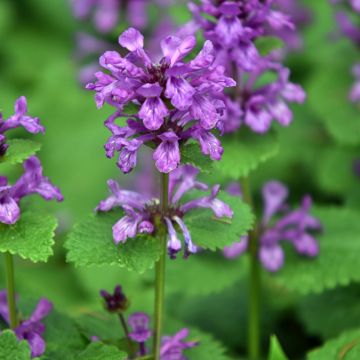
13,349
276,352
345,347
31,237
244,152
19,150
91,243
212,233
267,44
99,351
339,248
191,154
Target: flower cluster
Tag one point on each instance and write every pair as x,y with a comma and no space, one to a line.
233,27
19,119
175,100
172,347
30,329
116,302
294,226
32,181
142,214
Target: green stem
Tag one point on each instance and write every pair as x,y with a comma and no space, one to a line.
10,285
126,331
255,282
160,272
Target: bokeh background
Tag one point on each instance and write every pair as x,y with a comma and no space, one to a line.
39,59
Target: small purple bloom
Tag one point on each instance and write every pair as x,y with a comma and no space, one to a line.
19,119
139,323
141,213
31,182
32,328
116,302
175,100
294,226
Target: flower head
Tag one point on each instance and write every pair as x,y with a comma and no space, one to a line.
142,214
294,226
19,119
139,323
116,302
32,328
31,182
174,100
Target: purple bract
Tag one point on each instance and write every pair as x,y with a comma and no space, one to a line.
143,213
294,226
116,302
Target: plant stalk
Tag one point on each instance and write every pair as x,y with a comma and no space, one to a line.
254,282
10,289
160,272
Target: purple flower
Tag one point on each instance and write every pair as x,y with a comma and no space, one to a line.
294,226
19,119
116,302
32,181
32,328
139,323
174,100
141,213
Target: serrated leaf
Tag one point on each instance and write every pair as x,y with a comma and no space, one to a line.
345,347
276,352
91,243
338,261
267,44
99,351
212,233
244,152
32,237
12,348
191,154
19,150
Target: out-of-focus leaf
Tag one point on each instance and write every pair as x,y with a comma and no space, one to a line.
276,351
191,154
267,44
19,150
12,348
99,351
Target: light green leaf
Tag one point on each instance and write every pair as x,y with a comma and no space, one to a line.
12,348
338,261
19,150
345,347
267,44
32,237
99,351
91,243
244,152
276,351
191,154
212,233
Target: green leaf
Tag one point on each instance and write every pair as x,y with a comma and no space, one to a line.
12,348
191,154
19,150
91,243
32,237
345,347
267,44
212,233
276,351
244,152
338,261
99,351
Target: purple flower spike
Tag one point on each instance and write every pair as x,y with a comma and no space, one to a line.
142,214
31,182
116,302
296,227
31,329
175,99
139,323
19,119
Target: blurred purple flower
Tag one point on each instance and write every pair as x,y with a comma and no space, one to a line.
174,100
142,213
19,119
31,329
294,226
31,182
116,302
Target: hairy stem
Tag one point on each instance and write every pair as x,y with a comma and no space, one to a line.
254,282
10,287
160,272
